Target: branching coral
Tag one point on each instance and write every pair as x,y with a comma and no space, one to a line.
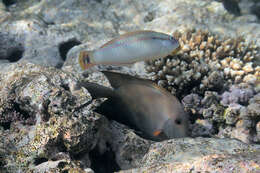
218,81
206,62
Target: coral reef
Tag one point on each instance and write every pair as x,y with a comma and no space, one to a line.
206,62
201,75
233,114
47,126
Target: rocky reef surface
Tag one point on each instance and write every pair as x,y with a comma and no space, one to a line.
200,155
47,123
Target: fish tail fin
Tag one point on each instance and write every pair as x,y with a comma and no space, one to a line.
85,59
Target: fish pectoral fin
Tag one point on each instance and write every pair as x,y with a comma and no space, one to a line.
160,134
157,132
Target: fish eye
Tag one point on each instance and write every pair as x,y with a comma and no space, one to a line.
171,38
178,121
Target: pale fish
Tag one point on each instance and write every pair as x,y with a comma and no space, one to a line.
130,48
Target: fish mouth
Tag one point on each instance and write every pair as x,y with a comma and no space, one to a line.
176,50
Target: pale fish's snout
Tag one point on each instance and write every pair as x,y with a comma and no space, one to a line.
174,41
176,45
170,45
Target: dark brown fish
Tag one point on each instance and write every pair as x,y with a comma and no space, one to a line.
142,105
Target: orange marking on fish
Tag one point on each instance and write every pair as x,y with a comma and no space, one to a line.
157,133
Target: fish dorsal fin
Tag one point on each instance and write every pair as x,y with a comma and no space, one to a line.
118,79
123,36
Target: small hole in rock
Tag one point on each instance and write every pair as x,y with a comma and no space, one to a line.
9,2
232,7
255,9
15,54
66,87
2,162
103,162
46,116
99,1
38,161
149,17
5,125
24,114
178,121
61,147
66,46
62,165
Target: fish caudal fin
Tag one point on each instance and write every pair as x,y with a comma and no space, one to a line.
84,60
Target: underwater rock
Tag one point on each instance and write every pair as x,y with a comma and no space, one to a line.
255,9
231,6
13,51
200,154
210,15
35,44
44,119
57,166
129,148
4,14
